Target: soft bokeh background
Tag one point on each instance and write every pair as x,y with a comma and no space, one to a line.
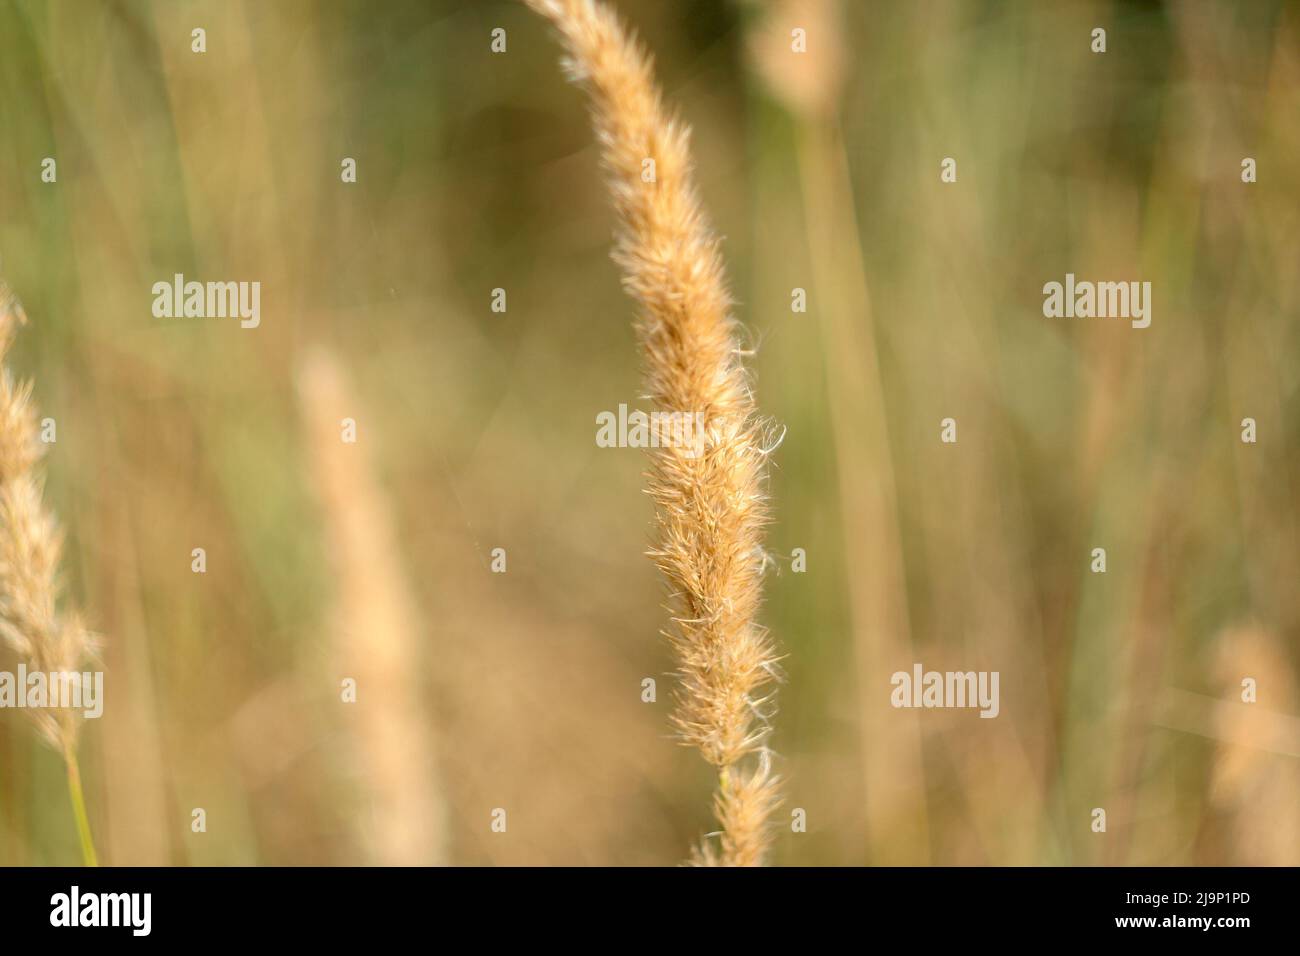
476,429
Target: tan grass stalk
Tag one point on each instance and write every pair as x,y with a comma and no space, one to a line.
711,507
1253,781
376,630
889,741
31,623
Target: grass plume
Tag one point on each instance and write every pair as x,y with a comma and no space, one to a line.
31,623
711,507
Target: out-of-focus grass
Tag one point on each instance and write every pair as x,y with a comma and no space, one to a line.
476,171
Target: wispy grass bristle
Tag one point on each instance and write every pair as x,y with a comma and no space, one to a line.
711,506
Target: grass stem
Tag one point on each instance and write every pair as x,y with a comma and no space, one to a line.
88,855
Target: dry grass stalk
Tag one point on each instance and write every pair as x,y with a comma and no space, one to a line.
1253,781
890,744
31,623
376,630
711,508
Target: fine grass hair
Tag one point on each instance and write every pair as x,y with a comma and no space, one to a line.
711,507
